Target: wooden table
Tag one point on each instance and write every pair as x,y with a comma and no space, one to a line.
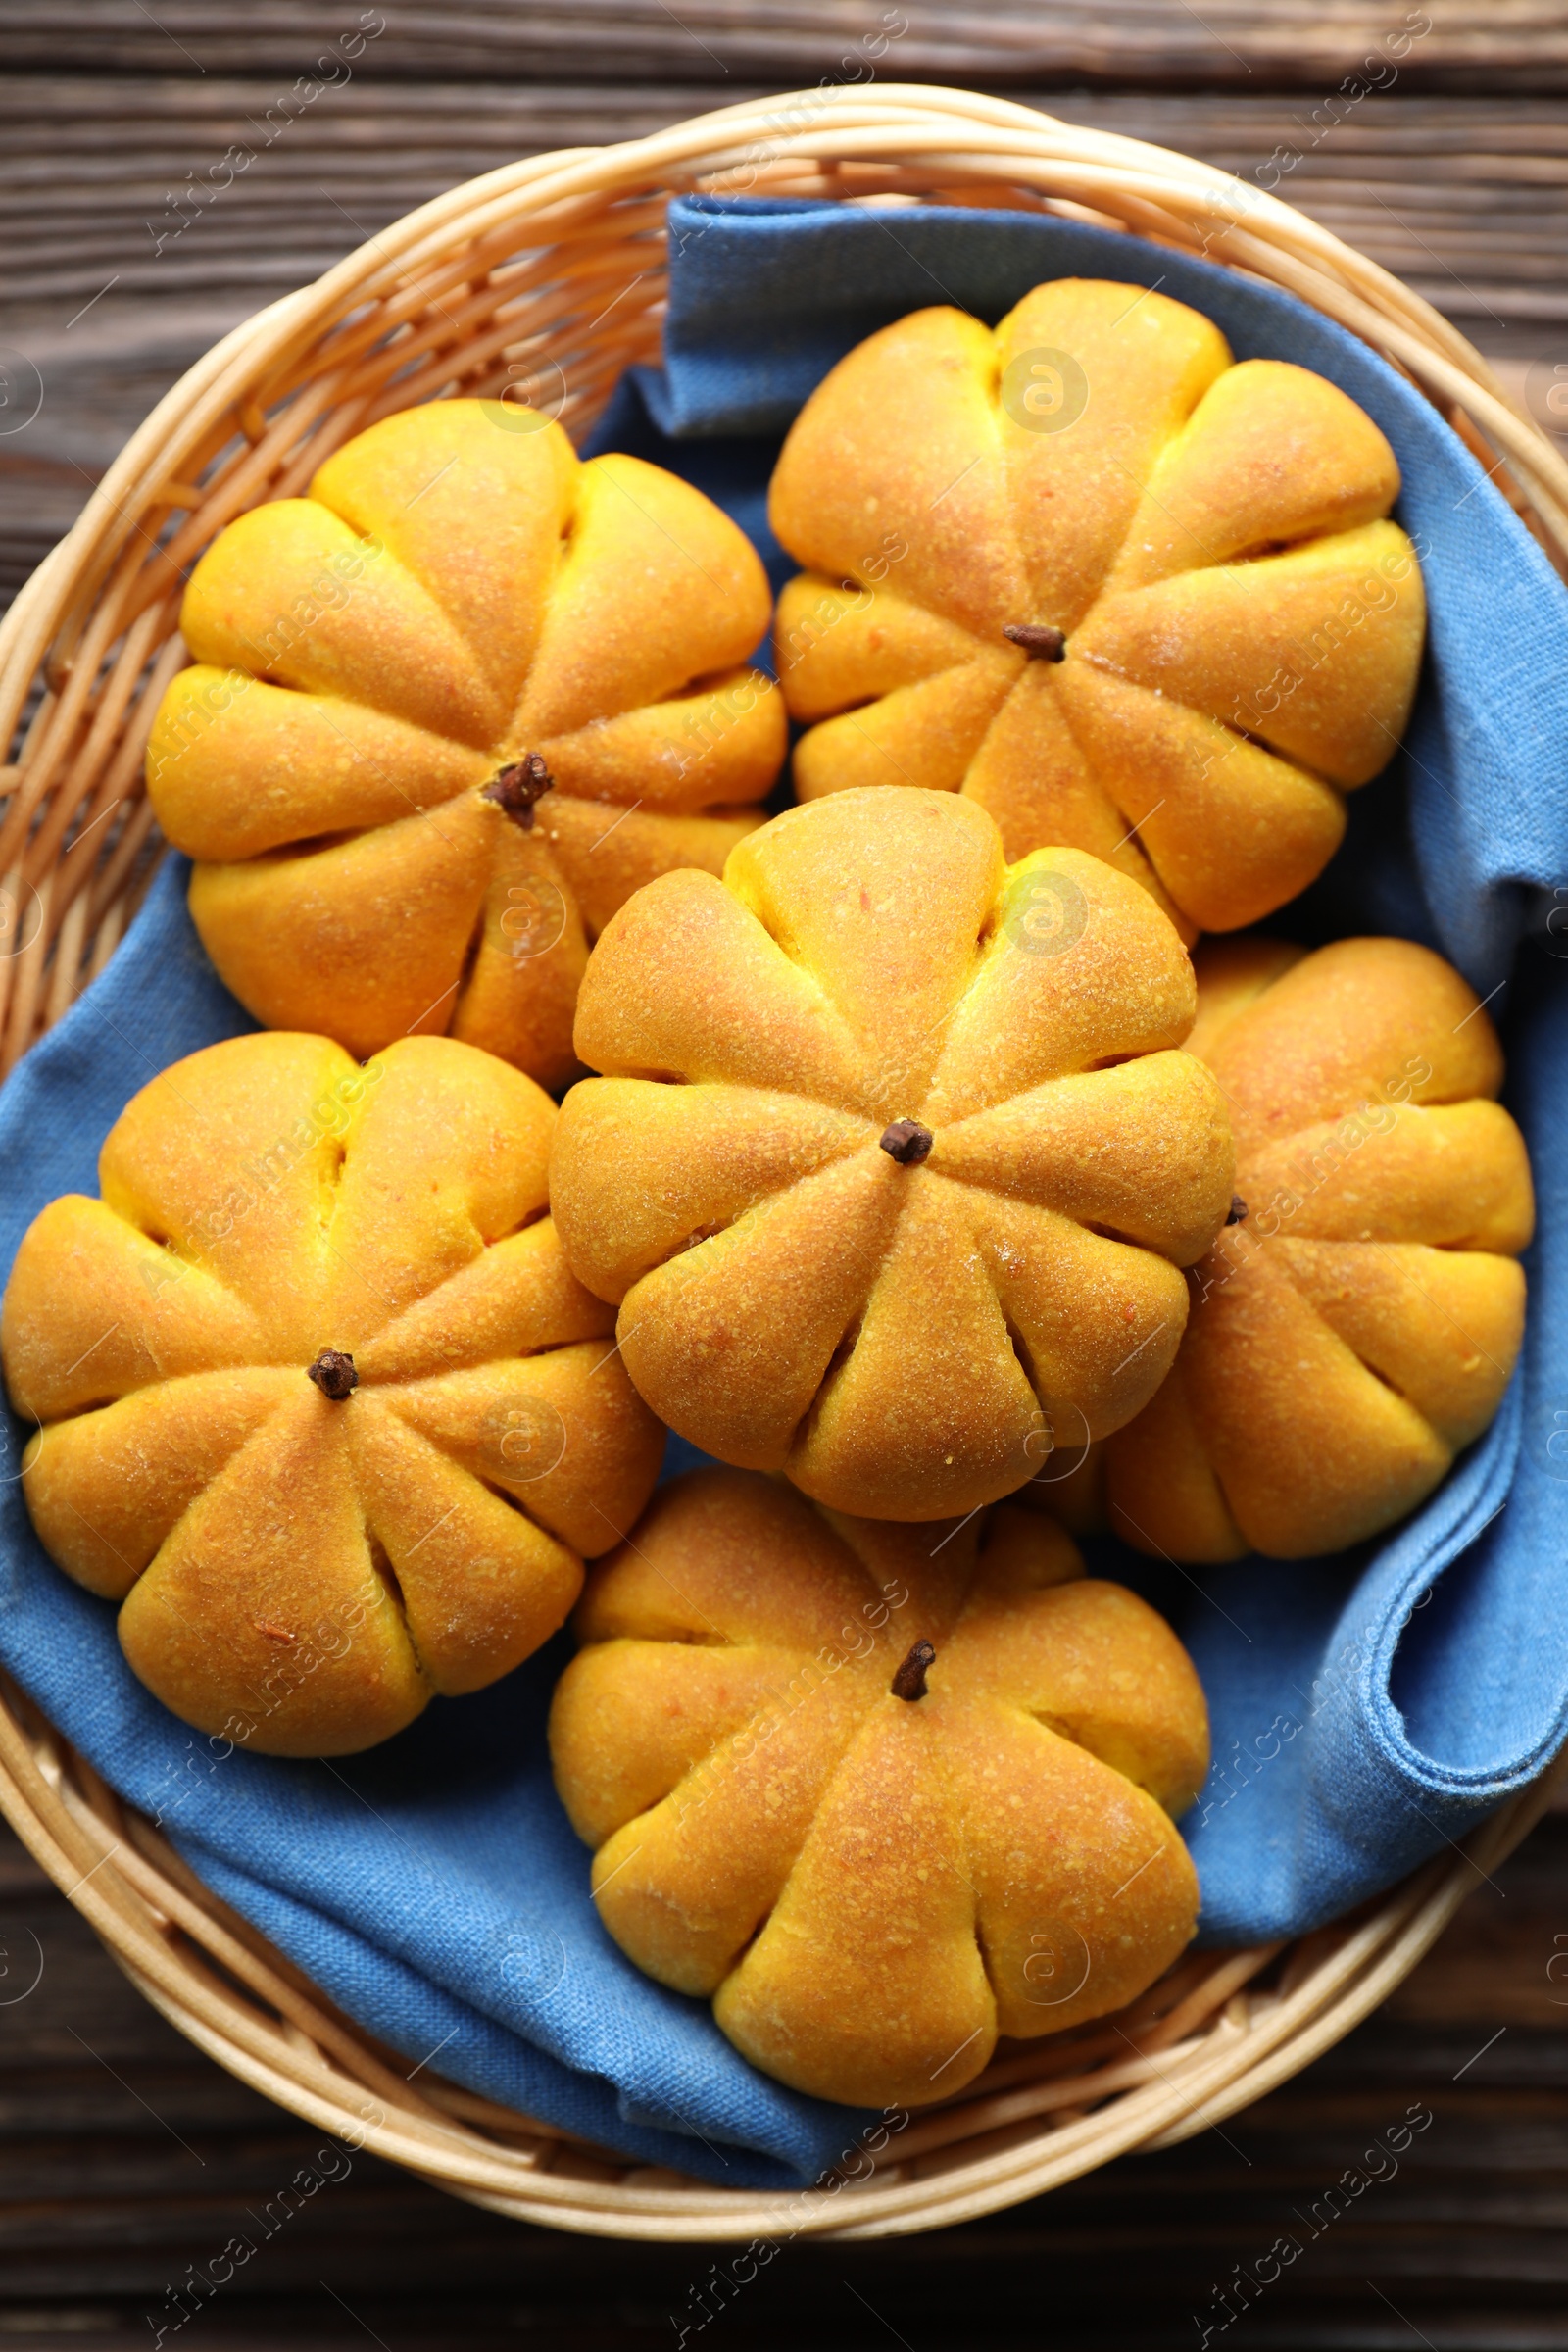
125,2156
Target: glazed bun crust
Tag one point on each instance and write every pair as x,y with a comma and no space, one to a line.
1241,624
869,1888
903,1338
1358,1325
296,1570
457,593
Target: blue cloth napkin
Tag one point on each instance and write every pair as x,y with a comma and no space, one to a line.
1366,1710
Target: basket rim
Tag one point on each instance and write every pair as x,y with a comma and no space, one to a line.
227,1989
286,2041
1251,231
153,1914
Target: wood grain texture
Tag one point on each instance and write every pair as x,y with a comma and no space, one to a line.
140,219
127,2159
1517,46
125,2156
176,185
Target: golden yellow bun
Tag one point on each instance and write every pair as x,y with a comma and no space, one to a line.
1243,624
872,1887
303,1563
1358,1324
903,1337
456,594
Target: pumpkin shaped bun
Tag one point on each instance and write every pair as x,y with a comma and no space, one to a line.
1121,590
1358,1323
881,1803
875,1212
318,1402
392,673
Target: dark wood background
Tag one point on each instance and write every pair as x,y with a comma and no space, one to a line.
127,2157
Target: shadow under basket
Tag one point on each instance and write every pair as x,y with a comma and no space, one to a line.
554,270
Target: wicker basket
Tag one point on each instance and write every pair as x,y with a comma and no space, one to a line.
546,279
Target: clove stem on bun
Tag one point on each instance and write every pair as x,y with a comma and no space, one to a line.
907,1142
517,788
1037,639
910,1681
333,1374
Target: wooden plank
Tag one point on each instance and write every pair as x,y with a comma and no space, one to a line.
125,2156
123,2163
192,196
1519,45
113,276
